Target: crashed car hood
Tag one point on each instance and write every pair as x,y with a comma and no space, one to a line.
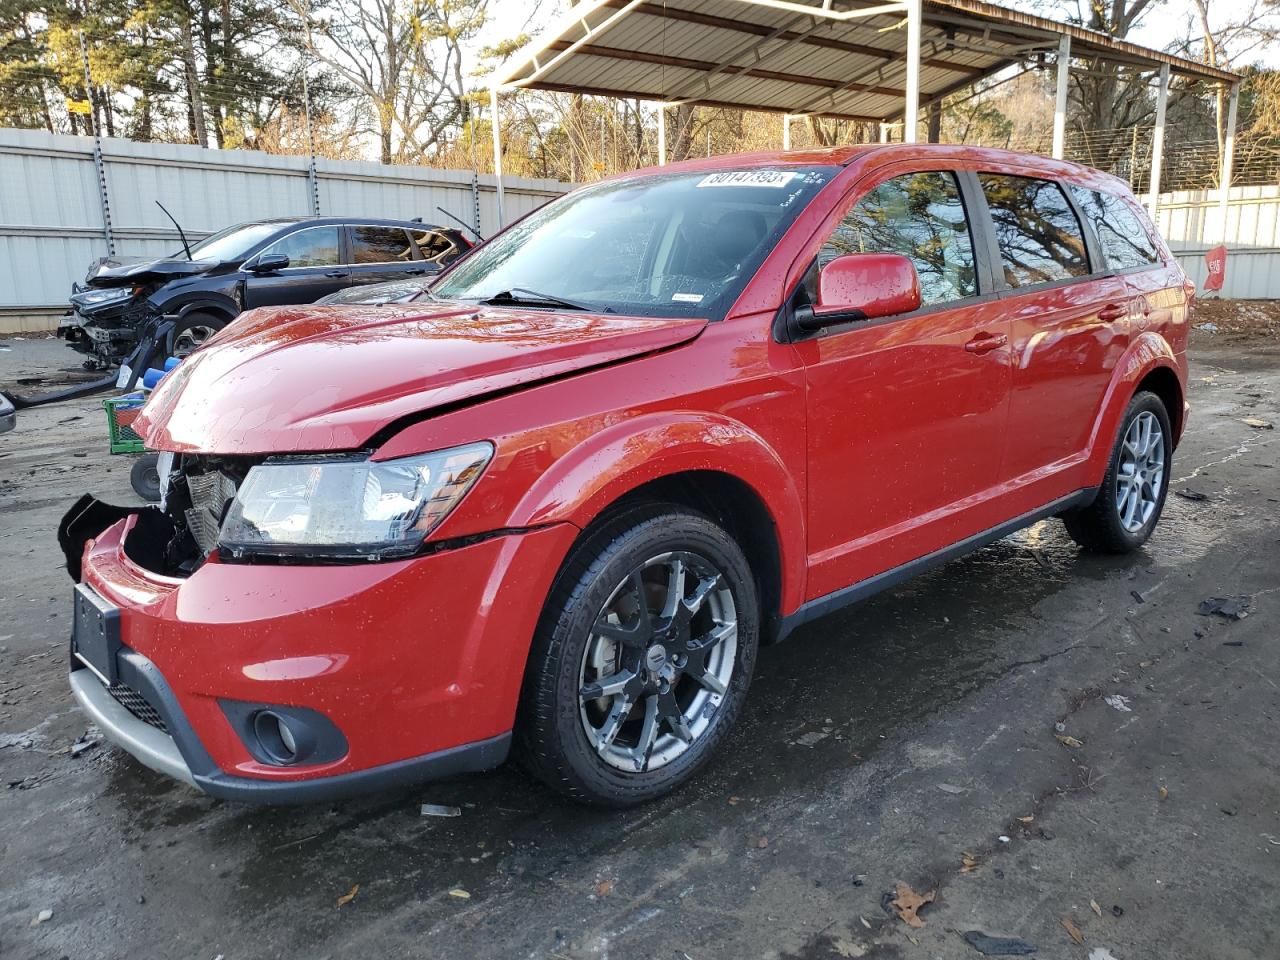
312,379
118,274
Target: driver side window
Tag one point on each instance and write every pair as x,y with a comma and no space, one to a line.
313,247
920,216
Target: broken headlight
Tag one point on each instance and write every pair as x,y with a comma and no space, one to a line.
348,509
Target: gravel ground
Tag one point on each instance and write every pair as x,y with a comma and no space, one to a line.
915,739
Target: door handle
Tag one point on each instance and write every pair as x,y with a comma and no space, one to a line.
986,342
335,273
1112,311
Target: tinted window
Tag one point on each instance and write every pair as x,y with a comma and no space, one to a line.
919,216
1124,239
380,245
313,247
1038,233
433,245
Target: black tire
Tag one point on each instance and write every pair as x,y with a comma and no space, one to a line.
145,477
1098,526
192,331
551,739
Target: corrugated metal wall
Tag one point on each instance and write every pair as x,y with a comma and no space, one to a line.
1191,223
51,225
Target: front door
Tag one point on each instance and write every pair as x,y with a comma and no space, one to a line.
315,269
906,414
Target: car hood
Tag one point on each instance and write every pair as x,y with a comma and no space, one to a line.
114,273
312,379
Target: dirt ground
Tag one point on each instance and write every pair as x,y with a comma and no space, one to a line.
1037,737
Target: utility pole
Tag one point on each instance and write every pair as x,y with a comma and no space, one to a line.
98,163
313,181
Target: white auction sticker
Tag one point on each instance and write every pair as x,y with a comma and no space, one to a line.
748,178
687,297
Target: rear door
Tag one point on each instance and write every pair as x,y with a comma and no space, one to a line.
381,253
315,269
1069,318
906,414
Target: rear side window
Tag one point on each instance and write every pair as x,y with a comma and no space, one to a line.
921,217
1123,238
433,245
380,245
1039,236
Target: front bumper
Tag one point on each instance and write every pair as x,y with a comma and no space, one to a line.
417,663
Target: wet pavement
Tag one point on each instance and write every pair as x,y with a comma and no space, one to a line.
894,743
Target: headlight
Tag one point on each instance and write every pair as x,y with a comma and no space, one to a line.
348,509
99,298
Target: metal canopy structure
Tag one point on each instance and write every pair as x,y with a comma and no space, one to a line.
862,60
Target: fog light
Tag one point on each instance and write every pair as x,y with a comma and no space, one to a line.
275,736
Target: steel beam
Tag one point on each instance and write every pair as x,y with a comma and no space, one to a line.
1060,103
496,121
911,106
1157,144
1228,157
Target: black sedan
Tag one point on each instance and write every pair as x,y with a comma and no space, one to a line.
205,285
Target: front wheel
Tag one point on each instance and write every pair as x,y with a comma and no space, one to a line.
642,661
192,332
1131,498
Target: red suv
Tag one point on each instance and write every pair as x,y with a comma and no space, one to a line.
554,506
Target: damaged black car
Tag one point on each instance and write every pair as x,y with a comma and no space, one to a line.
204,286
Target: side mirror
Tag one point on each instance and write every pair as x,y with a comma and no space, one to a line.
270,263
863,286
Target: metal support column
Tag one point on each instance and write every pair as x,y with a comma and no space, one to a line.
1157,144
911,110
1060,104
662,134
1228,158
496,121
786,131
98,163
313,179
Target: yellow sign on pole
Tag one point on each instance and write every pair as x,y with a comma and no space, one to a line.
79,106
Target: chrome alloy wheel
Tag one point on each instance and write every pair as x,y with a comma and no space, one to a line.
1140,473
658,662
190,339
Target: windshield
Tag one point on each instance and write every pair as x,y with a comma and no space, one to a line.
233,243
668,245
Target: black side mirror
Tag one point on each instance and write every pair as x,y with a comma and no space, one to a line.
270,263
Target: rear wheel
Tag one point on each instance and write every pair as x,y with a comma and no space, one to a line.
1131,498
642,661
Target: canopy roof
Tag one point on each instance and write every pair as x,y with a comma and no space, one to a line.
839,58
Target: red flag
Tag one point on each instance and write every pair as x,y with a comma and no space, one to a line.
1216,261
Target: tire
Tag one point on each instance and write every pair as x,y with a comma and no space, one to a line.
647,736
192,332
144,477
1108,525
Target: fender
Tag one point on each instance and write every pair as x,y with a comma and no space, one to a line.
580,485
208,302
1148,351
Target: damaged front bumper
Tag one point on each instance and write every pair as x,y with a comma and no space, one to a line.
394,672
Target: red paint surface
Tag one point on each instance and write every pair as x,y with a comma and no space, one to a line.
870,446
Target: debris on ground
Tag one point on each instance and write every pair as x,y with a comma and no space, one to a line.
950,788
1002,838
1233,608
440,810
1257,423
762,842
605,887
41,917
1163,793
1093,905
1208,327
1189,494
1101,953
998,946
348,896
1118,702
908,903
84,744
459,893
1072,930
969,863
1068,741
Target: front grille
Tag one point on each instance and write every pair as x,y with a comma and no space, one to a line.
137,704
210,493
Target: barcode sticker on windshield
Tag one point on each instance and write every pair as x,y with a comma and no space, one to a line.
748,178
687,297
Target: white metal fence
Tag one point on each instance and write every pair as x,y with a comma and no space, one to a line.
51,215
1190,221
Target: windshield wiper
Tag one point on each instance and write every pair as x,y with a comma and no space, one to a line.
523,296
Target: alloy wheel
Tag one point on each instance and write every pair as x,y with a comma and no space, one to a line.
191,339
658,663
1140,472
